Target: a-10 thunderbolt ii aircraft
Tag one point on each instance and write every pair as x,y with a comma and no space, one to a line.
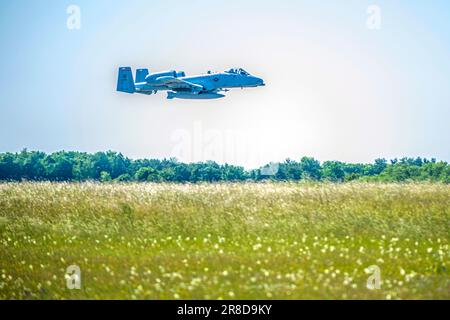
207,86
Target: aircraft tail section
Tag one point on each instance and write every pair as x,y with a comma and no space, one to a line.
141,74
125,82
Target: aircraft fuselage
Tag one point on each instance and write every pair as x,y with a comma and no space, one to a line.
206,86
208,82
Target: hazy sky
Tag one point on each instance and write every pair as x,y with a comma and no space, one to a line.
336,89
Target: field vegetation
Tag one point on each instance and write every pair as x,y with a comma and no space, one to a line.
225,241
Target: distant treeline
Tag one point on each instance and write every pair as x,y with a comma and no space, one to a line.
113,166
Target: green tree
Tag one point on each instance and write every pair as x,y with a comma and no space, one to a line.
58,167
9,168
333,171
182,173
100,162
310,168
118,164
123,178
147,174
105,176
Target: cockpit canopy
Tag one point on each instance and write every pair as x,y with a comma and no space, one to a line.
239,71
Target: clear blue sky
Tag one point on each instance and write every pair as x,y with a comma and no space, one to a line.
336,90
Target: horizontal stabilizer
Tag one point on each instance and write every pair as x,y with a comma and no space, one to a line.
125,82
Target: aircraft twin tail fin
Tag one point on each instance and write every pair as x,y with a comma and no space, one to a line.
125,82
141,74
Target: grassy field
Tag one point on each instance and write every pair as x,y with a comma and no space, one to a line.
223,241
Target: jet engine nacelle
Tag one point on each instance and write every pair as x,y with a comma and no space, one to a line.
153,78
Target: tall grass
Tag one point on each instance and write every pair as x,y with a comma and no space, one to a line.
221,241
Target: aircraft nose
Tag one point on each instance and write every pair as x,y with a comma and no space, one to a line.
259,82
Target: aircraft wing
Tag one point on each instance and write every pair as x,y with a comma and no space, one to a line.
175,83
